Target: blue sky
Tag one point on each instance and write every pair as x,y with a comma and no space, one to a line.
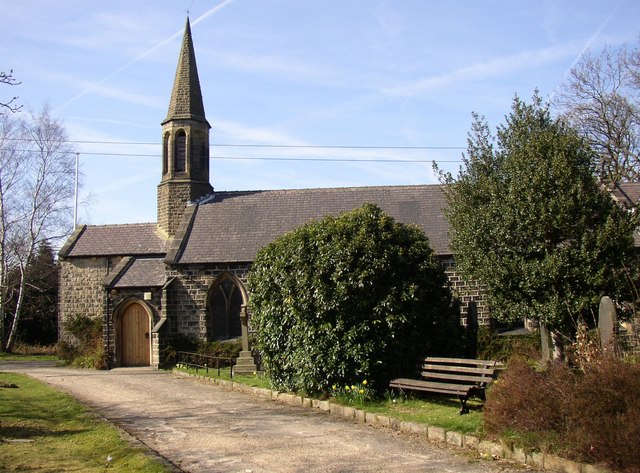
309,74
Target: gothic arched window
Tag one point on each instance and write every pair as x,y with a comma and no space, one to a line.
225,302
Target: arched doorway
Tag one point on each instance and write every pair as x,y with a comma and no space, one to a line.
223,309
135,336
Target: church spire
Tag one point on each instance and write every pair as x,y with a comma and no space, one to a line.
185,143
186,96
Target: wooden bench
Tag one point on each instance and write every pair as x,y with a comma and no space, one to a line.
458,376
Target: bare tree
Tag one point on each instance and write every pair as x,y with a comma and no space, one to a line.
8,79
36,190
601,99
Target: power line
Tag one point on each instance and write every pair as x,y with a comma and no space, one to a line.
255,158
248,145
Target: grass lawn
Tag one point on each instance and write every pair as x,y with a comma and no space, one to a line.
436,411
42,429
19,357
256,381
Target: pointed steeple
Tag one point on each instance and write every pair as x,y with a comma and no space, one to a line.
185,143
186,96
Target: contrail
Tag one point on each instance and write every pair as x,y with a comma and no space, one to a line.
586,47
177,34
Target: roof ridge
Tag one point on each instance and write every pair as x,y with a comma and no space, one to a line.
138,224
407,186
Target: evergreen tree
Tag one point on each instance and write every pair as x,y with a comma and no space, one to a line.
39,320
350,298
530,222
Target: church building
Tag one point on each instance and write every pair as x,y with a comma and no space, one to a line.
185,274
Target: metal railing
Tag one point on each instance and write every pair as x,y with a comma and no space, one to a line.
200,361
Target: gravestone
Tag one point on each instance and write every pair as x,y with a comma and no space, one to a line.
607,321
545,342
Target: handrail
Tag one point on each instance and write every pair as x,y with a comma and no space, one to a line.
206,362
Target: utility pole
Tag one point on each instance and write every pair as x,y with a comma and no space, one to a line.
75,198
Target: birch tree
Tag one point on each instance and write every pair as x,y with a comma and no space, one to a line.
7,78
36,190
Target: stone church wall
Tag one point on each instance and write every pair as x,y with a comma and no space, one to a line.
466,292
186,307
172,200
81,289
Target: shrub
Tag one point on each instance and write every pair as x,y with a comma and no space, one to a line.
87,350
179,342
530,401
604,419
591,415
492,346
222,348
349,298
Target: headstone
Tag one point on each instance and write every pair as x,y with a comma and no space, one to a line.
607,321
545,342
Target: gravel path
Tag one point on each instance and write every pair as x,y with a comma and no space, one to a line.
206,428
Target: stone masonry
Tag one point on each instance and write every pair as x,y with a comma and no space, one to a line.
81,289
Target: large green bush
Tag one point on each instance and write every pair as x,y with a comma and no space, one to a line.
349,298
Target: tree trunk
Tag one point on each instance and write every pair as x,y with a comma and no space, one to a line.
16,315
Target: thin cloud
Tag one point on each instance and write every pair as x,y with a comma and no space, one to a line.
496,67
177,34
592,39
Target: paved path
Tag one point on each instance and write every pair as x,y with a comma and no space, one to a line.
206,428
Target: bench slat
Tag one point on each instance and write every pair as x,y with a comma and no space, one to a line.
457,377
461,361
458,369
431,387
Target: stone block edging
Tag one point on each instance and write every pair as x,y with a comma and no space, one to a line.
485,448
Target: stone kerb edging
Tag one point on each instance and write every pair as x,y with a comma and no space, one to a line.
486,449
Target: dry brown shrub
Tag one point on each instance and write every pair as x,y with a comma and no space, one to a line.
604,416
590,415
528,400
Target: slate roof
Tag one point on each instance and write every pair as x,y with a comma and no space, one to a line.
114,240
233,226
139,272
628,193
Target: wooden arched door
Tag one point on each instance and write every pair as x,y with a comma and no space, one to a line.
135,336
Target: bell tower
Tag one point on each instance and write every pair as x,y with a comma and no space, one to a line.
185,143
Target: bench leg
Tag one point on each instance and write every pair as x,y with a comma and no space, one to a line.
463,405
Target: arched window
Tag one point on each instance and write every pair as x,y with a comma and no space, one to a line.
165,154
223,314
180,154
